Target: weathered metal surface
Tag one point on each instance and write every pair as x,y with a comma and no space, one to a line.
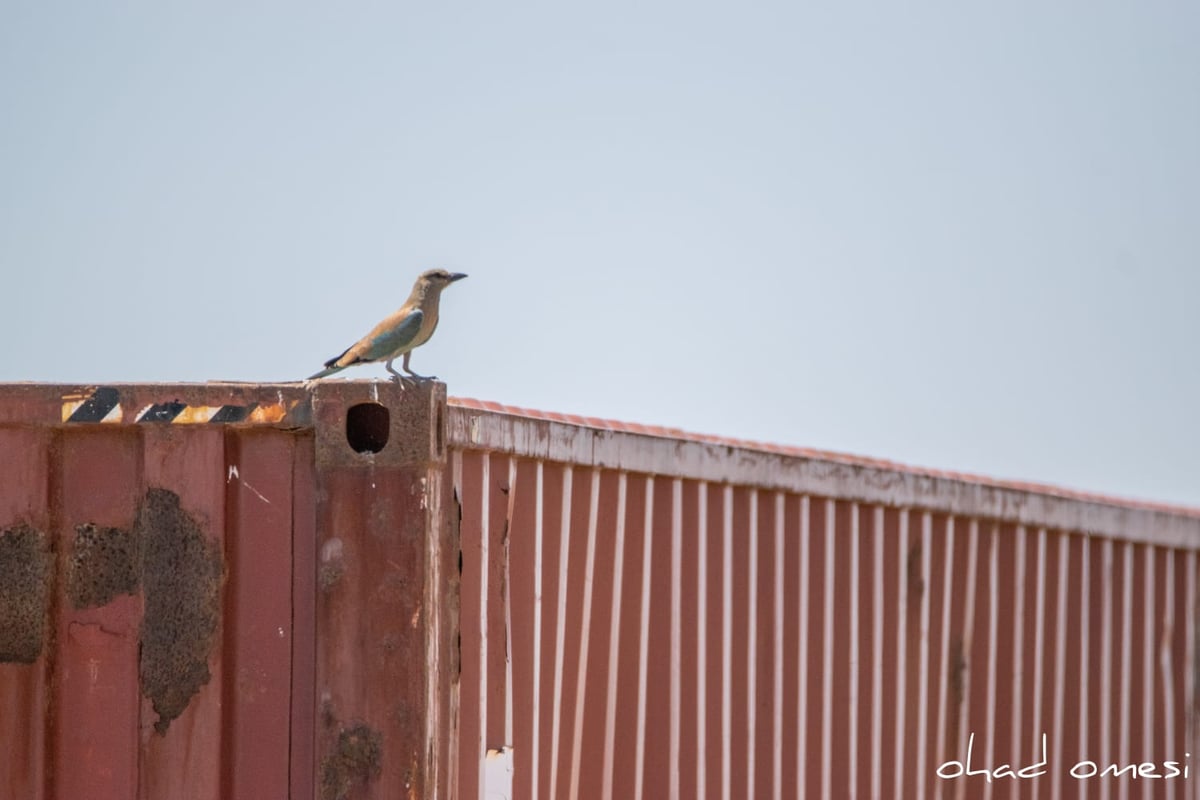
696,618
235,591
382,649
210,591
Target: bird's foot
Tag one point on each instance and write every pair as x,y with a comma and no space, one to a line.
415,376
402,381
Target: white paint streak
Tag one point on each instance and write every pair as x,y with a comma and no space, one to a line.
614,642
1126,644
644,642
1017,675
802,658
676,633
1085,661
726,633
535,712
481,745
1189,627
900,734
877,628
923,677
585,634
993,655
968,635
701,640
852,743
1148,625
777,654
233,473
827,591
1166,652
751,640
1060,655
560,624
1038,722
1106,665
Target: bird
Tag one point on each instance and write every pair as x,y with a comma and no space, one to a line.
409,327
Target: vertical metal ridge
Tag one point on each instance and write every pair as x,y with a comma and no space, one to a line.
944,672
726,632
586,632
968,637
827,601
877,654
457,757
993,635
1060,653
1190,670
1106,659
676,632
508,616
702,637
1083,688
1039,645
534,761
614,641
777,650
1166,652
802,676
852,744
643,639
1126,695
1148,619
1018,649
560,623
901,643
923,677
480,755
752,642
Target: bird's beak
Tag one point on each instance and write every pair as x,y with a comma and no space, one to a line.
457,276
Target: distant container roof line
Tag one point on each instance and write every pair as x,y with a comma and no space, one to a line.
793,451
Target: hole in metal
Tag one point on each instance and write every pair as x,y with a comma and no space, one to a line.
367,427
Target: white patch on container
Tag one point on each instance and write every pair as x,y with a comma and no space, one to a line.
233,473
497,774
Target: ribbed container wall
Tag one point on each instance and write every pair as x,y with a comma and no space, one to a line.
77,713
225,592
671,634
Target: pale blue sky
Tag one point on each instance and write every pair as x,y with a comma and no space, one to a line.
958,235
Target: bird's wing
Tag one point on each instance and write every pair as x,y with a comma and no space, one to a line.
387,339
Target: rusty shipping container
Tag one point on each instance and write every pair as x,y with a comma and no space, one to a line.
224,591
355,590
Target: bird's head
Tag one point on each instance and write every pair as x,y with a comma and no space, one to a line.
439,279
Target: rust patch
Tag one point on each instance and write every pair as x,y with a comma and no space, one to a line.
355,760
958,668
916,581
182,573
105,562
26,567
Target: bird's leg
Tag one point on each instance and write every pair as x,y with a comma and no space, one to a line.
396,376
404,365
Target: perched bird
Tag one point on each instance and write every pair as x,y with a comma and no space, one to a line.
398,335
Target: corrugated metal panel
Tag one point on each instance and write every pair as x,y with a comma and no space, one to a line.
207,592
225,591
697,618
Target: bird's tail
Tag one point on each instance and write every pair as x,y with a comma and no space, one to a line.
325,373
